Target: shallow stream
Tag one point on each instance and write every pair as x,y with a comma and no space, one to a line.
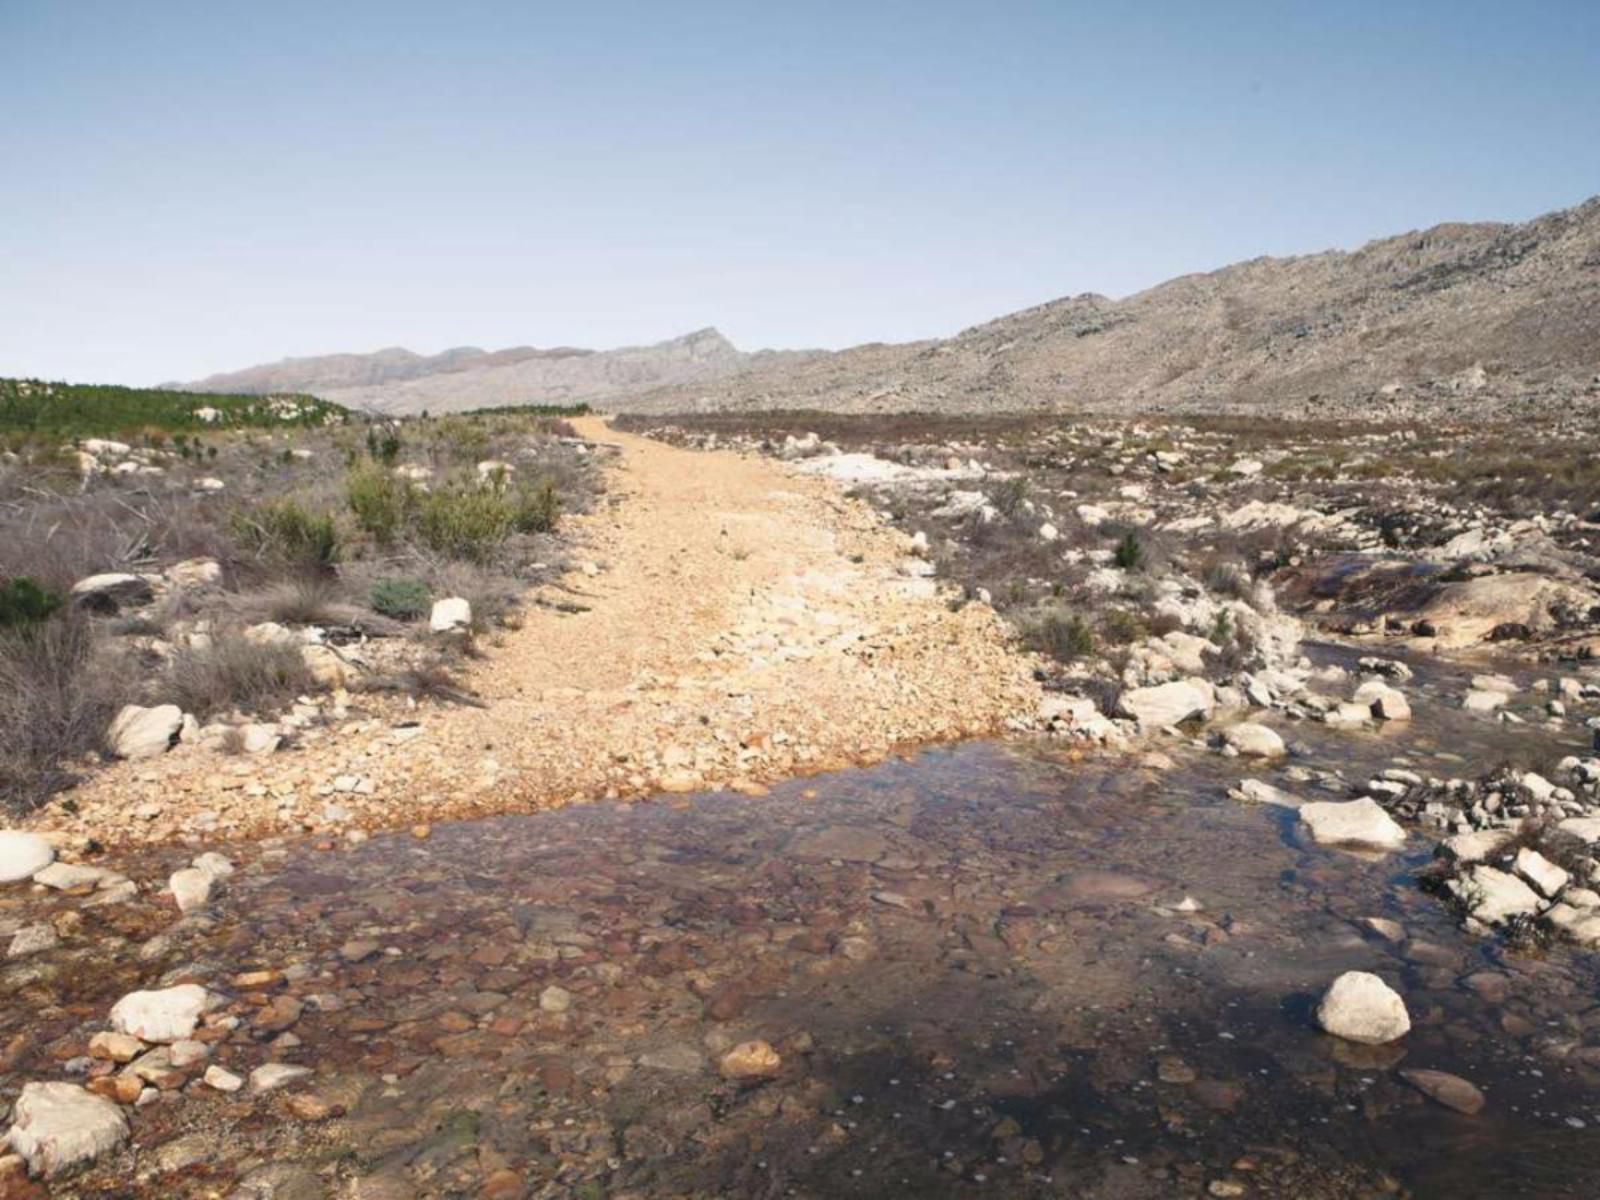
973,963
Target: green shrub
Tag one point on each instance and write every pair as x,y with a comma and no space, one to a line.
400,598
1062,636
1008,497
1129,554
537,508
463,439
24,602
379,501
464,522
1123,628
384,445
286,529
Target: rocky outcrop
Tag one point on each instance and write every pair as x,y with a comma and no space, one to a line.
1473,610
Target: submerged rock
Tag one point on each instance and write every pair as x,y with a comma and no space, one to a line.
750,1060
1352,823
55,1126
1452,1091
167,1015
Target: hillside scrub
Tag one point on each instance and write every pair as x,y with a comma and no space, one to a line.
234,527
37,409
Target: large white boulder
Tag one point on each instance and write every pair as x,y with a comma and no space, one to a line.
59,1125
144,732
1585,828
1384,702
22,854
1543,874
1254,740
1168,703
167,1015
111,591
451,615
1493,896
1352,823
1476,845
1483,700
1360,1007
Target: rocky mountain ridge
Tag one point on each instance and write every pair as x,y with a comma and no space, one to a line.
400,381
1467,320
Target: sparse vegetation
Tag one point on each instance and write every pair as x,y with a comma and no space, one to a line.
402,599
1064,637
37,408
248,495
1129,554
23,603
231,671
60,685
285,529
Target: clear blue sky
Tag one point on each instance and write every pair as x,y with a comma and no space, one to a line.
195,187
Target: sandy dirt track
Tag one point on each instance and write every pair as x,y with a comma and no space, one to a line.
745,624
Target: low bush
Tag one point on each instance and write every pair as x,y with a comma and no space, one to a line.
233,672
463,522
1129,554
1008,497
307,600
400,598
383,444
60,686
23,602
381,502
537,508
1064,637
287,530
1122,628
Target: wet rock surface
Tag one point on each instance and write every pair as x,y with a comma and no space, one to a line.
999,969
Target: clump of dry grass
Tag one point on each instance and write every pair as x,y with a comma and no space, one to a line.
230,671
60,685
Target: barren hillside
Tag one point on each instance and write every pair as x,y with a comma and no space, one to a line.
1400,324
1478,320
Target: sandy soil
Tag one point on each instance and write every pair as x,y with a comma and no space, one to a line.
744,623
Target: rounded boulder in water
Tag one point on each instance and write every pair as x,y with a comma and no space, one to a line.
1360,1007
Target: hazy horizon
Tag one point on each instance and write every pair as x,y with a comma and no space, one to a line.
212,187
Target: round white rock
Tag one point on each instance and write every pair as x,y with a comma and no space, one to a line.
1360,1007
21,854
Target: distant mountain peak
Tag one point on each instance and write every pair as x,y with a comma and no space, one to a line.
399,380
